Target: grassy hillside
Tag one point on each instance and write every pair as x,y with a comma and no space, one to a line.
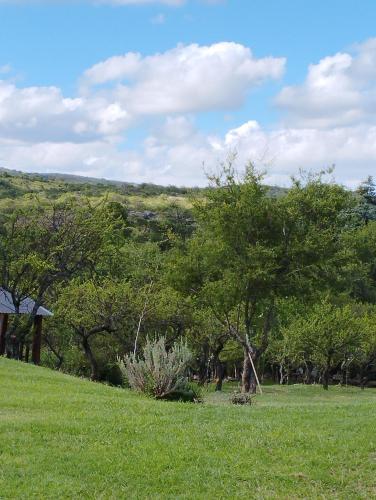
21,187
62,437
15,185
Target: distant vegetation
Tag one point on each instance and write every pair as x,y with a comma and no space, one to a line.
243,274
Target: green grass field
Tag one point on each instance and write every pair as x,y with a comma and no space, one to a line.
62,437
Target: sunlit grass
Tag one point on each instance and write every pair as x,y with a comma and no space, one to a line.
63,437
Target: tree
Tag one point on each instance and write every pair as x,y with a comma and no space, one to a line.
364,209
327,335
361,274
251,248
42,246
364,358
91,309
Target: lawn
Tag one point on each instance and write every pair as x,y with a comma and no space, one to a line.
63,437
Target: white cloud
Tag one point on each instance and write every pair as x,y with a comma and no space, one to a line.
185,79
178,153
283,151
44,114
340,90
329,118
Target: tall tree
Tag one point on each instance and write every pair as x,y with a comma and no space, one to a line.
251,248
42,246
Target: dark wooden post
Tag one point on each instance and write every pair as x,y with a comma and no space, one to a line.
37,340
3,331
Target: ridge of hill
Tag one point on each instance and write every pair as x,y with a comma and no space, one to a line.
16,184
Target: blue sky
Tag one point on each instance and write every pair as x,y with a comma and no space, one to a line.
58,115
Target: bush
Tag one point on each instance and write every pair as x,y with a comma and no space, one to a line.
161,373
241,398
189,393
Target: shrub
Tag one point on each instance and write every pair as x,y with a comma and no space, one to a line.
161,373
191,392
241,398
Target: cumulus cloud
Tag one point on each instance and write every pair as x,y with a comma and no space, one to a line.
44,114
188,78
340,90
185,79
281,152
178,153
284,151
328,119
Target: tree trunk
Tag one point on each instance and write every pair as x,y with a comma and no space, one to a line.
27,353
94,371
203,365
3,332
21,350
307,373
37,340
248,377
327,372
363,379
220,376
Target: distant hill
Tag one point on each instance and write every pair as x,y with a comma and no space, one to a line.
70,179
14,184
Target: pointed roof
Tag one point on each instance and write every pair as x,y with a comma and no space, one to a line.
26,305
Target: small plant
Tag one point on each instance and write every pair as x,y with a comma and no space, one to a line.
161,373
241,398
189,393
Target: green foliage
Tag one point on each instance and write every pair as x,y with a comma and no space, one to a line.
227,269
251,250
162,372
326,336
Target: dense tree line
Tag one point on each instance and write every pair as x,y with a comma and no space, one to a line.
286,284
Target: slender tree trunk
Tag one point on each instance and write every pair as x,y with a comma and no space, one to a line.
55,352
203,365
27,353
327,372
307,373
3,332
363,379
21,350
248,377
94,374
220,376
37,340
281,375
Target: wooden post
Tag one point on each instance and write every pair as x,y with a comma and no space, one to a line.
37,340
254,371
3,331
